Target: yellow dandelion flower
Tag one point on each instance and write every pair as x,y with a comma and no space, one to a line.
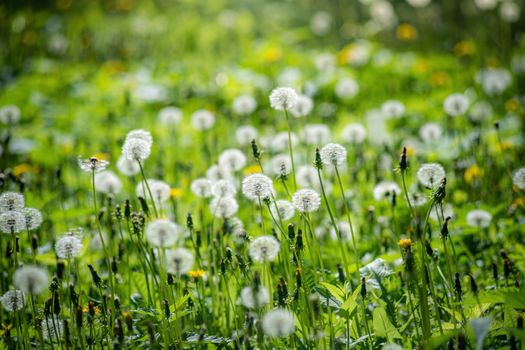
439,78
21,169
472,173
254,169
196,273
406,32
405,243
464,48
176,192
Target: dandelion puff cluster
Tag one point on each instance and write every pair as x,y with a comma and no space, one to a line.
31,279
162,233
306,200
68,247
179,261
254,298
136,149
264,248
224,207
140,134
282,209
283,98
479,218
333,154
430,175
257,187
518,179
13,300
278,323
11,201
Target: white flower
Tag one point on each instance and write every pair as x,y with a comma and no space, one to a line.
283,98
494,81
179,261
252,298
278,323
107,182
281,164
232,159
509,11
244,104
519,178
430,132
92,164
202,119
68,247
386,189
201,187
479,218
13,300
136,149
31,279
245,134
224,207
11,201
282,209
223,188
127,167
393,109
354,133
430,175
10,115
141,135
306,200
12,222
316,134
346,88
216,173
302,107
257,187
170,116
264,248
33,218
162,233
333,154
160,190
456,104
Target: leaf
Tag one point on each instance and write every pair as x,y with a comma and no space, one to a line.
350,304
335,291
438,340
383,327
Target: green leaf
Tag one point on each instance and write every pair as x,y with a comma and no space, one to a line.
383,327
335,291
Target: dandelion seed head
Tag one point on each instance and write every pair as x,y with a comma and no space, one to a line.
280,141
252,298
430,175
202,120
430,132
519,178
448,211
245,134
354,133
11,201
385,189
278,323
224,207
13,300
480,111
281,164
136,149
283,98
107,182
92,164
201,187
333,154
162,233
244,104
68,247
257,187
316,134
417,199
264,248
179,261
393,109
456,104
127,167
306,200
282,209
494,81
170,116
479,218
344,230
33,218
31,279
509,11
160,190
302,107
232,159
140,134
223,188
10,115
216,173
12,221
346,88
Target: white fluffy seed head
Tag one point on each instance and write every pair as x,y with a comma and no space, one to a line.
281,164
202,120
92,164
257,187
136,149
68,247
283,98
31,279
33,217
264,248
162,233
10,115
456,105
11,201
430,132
179,261
224,207
160,190
479,218
13,300
393,109
303,106
232,159
430,175
223,188
333,154
316,134
282,209
385,189
354,133
12,221
127,167
278,323
244,104
480,111
252,298
519,178
346,88
306,200
140,134
344,230
280,141
245,134
170,116
201,187
107,182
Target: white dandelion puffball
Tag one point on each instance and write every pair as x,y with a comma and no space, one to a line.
430,175
224,207
316,134
223,188
11,201
494,81
306,176
278,323
107,182
354,133
13,300
264,248
456,104
479,218
202,119
417,199
252,298
282,209
257,187
170,116
10,115
430,132
333,154
160,190
303,106
92,164
245,134
393,109
306,200
344,230
162,233
519,178
486,4
418,3
31,279
52,328
448,211
320,23
136,149
216,173
509,11
481,110
140,134
386,189
127,167
244,104
179,261
280,141
12,222
232,159
68,247
201,187
281,164
346,88
33,218
283,98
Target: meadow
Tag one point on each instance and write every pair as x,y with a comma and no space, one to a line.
262,174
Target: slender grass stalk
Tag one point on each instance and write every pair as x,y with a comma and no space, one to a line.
290,148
